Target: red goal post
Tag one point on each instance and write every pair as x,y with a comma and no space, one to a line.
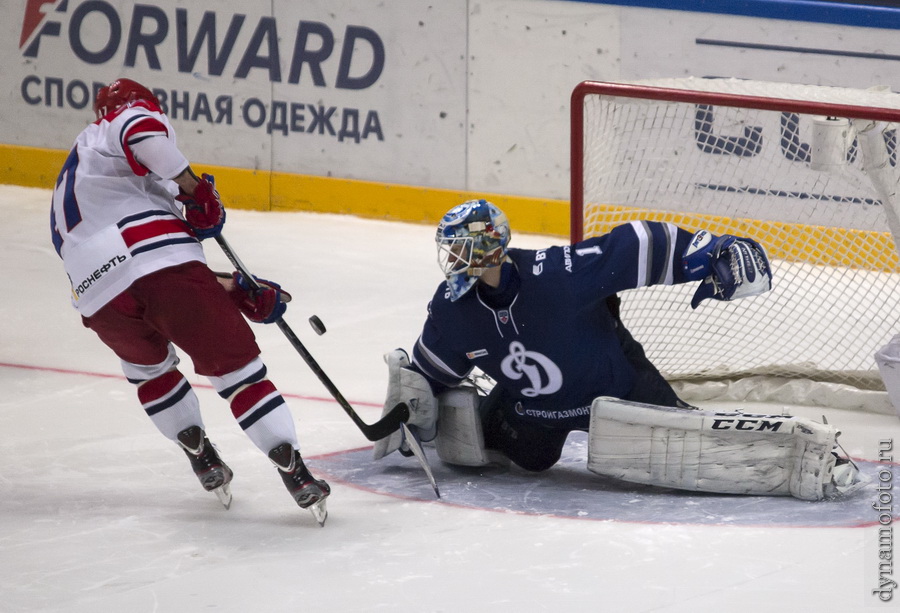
811,172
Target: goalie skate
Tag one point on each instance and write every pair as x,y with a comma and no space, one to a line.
845,476
214,475
308,492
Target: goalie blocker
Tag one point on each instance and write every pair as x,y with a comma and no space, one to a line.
721,452
451,419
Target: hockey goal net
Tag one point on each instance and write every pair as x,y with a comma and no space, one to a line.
808,171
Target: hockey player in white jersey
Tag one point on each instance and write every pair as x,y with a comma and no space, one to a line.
544,325
127,218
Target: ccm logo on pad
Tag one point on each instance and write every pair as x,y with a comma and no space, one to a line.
756,425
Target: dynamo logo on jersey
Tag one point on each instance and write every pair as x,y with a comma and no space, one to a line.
542,373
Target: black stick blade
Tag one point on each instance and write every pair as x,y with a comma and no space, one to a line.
385,426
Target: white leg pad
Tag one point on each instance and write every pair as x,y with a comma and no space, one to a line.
722,452
460,438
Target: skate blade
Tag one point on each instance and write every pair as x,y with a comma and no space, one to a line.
319,511
223,493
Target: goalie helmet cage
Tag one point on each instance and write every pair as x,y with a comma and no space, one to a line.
808,171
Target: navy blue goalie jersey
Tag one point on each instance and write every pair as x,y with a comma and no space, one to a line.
552,343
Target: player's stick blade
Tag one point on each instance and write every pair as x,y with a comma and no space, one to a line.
385,426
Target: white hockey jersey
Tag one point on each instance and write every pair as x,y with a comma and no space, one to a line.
114,218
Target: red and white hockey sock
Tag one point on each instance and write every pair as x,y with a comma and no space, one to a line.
170,402
258,406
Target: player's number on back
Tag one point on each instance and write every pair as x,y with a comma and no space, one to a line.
71,212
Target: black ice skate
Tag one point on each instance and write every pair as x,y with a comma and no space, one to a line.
309,492
213,473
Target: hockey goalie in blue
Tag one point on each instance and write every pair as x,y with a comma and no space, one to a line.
544,325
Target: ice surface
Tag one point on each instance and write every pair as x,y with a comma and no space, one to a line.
99,513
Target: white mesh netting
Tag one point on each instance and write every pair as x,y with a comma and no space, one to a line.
783,175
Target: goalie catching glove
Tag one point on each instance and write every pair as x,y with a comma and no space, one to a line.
264,305
730,267
203,210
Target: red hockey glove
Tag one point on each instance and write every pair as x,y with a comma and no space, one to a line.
203,210
264,305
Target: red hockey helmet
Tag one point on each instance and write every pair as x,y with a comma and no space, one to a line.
119,93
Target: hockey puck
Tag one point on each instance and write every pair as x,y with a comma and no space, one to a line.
317,325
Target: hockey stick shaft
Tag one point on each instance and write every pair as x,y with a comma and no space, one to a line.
377,431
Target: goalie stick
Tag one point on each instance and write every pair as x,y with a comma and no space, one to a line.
416,449
380,429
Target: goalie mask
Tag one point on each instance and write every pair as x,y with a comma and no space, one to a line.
471,237
119,93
